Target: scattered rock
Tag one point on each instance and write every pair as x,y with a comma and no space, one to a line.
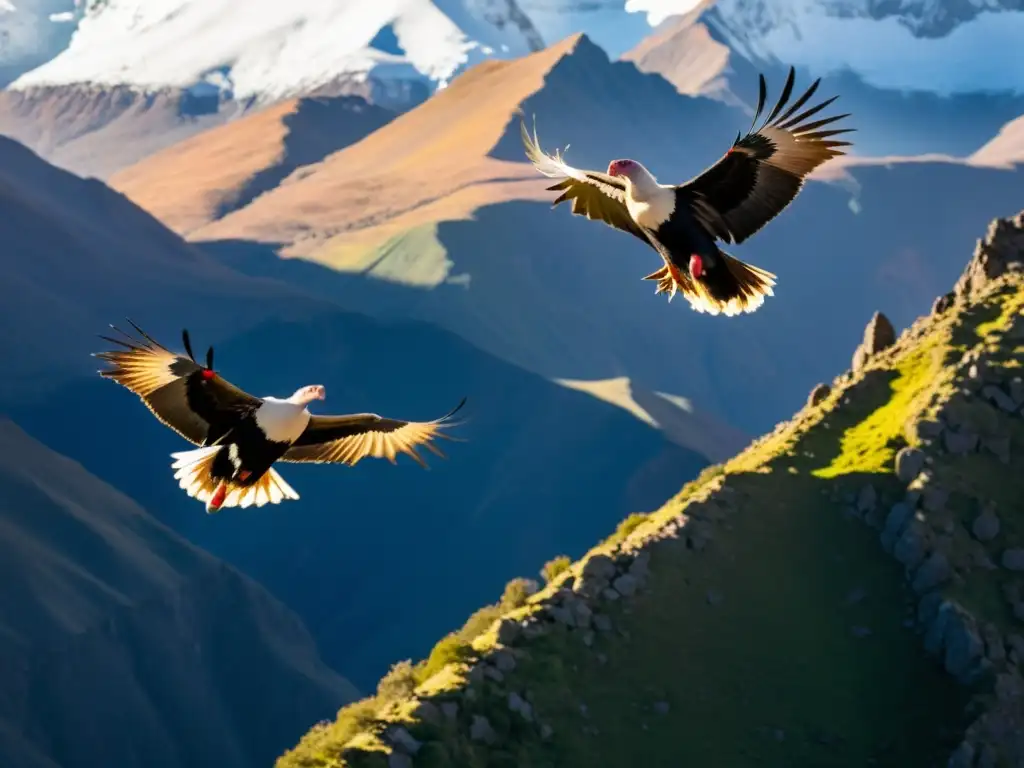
503,660
480,730
611,595
960,443
562,615
546,732
402,739
399,760
878,335
895,523
581,614
962,642
986,525
508,631
428,712
934,499
860,631
661,707
909,463
942,303
933,572
909,548
517,704
1016,643
625,585
1017,390
495,674
1013,559
598,567
602,623
999,398
714,597
819,394
450,709
928,429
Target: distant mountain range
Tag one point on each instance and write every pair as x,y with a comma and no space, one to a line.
93,103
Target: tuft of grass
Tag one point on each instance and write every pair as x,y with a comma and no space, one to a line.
554,568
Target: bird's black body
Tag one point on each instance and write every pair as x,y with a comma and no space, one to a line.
246,454
752,183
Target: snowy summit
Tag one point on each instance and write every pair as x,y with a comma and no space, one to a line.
270,49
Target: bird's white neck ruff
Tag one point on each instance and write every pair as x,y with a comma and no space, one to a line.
650,206
281,421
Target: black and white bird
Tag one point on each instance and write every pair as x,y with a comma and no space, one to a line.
750,185
241,436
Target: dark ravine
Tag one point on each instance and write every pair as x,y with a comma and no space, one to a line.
122,644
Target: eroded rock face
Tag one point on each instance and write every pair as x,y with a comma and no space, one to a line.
1001,250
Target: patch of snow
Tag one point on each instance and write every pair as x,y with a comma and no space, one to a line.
982,53
268,48
62,17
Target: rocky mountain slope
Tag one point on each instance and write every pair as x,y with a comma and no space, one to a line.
845,591
207,177
79,256
122,644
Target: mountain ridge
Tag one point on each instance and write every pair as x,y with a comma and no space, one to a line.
885,477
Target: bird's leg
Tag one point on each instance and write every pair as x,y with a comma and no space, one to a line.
668,278
215,502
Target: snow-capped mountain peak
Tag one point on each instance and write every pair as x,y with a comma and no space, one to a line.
268,49
938,46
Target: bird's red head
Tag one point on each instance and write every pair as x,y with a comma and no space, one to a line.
208,374
622,167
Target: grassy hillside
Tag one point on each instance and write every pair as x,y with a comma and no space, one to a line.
844,592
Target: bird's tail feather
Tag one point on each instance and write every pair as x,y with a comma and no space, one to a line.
734,287
194,477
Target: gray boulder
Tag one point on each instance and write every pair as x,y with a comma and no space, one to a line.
909,463
999,398
896,521
480,730
1013,559
960,443
911,547
934,571
986,525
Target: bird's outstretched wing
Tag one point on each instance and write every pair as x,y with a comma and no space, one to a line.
595,195
763,171
347,439
188,397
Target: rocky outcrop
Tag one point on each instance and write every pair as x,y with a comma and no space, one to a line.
999,252
878,335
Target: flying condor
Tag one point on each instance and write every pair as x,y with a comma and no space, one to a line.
241,436
750,185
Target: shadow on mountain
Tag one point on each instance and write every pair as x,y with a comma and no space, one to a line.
890,122
122,644
315,128
375,558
